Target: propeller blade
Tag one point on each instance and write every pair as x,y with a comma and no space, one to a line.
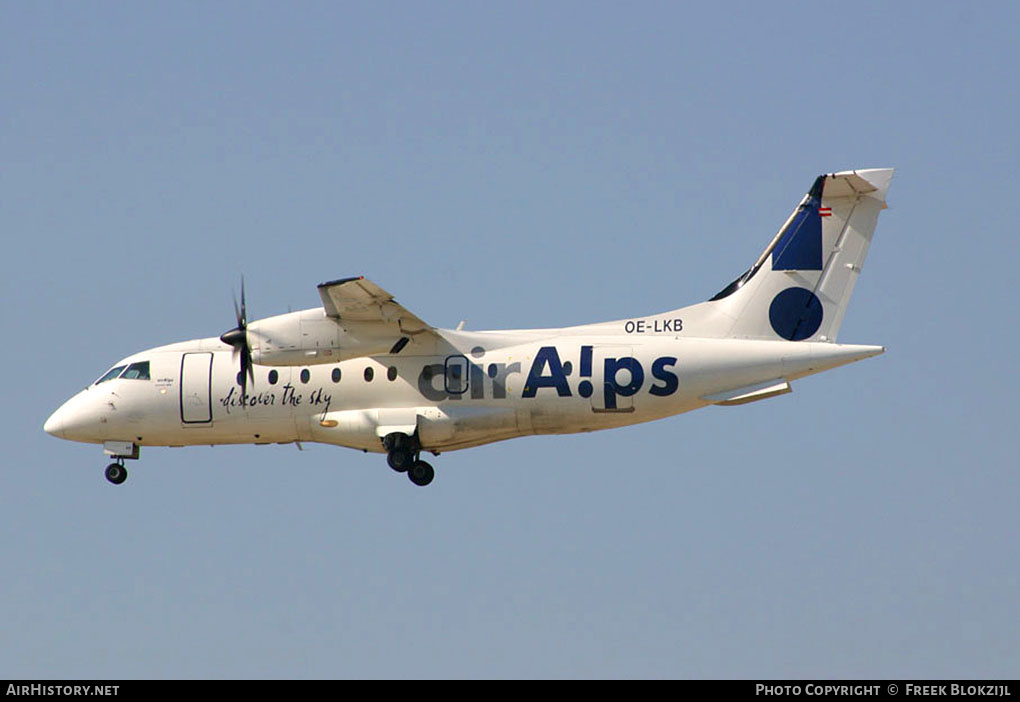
244,308
246,371
238,338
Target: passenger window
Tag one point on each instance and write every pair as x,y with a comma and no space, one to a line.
110,374
456,374
137,371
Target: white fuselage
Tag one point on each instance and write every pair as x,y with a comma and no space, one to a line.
365,372
482,387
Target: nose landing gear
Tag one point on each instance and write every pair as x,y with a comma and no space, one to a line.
116,473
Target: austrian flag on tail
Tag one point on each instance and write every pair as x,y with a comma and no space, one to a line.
825,211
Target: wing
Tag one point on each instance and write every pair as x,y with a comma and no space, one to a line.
360,300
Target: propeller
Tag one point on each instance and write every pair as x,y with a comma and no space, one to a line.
238,338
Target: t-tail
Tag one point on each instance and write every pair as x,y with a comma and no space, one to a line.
800,286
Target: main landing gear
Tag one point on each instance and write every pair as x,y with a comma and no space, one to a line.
403,455
421,473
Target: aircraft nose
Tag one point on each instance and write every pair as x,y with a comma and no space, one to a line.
54,426
75,420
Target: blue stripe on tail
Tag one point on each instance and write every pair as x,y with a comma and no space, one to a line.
800,246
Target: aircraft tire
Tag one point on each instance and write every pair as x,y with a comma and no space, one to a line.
421,473
400,459
116,473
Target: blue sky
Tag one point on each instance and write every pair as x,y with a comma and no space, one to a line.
517,165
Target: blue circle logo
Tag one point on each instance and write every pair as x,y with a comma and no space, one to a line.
795,314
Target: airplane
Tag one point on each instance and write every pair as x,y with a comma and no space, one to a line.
365,373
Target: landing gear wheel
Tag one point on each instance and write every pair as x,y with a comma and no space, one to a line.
421,473
116,473
400,459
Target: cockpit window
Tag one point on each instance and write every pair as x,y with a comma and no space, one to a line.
110,374
137,371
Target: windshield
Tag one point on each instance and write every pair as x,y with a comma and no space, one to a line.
137,371
110,374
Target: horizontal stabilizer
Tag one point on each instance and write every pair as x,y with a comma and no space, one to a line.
750,393
871,182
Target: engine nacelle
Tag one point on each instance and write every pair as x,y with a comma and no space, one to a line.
309,337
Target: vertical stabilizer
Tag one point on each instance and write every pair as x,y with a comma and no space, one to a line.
800,286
